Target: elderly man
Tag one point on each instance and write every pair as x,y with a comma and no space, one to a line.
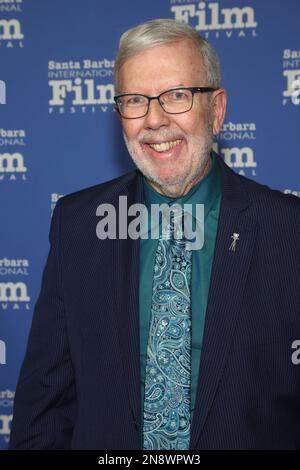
144,343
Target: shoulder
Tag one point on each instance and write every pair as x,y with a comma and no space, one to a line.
87,199
107,189
271,203
266,204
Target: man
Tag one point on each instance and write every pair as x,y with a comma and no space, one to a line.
110,362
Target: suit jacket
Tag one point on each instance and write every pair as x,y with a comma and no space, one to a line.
79,386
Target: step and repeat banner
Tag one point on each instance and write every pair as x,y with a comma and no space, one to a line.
59,132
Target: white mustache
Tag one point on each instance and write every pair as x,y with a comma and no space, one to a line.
161,136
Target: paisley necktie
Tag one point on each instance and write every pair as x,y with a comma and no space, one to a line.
168,367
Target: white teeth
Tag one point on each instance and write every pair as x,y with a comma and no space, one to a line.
164,146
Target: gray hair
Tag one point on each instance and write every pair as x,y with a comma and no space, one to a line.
166,31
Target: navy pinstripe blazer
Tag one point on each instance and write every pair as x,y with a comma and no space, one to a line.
79,386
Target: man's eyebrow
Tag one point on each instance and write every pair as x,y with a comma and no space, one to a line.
141,93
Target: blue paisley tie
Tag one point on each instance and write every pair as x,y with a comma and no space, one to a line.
168,367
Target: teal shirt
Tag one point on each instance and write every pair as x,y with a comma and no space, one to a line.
207,192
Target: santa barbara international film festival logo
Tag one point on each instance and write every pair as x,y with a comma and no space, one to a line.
12,155
2,352
11,35
291,73
2,92
13,284
54,197
216,19
294,192
81,86
235,144
6,406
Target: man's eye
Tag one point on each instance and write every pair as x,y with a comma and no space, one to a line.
135,100
177,96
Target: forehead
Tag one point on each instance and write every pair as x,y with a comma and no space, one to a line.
161,67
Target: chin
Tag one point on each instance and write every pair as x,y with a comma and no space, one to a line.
167,181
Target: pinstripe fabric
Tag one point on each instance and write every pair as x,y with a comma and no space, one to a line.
79,386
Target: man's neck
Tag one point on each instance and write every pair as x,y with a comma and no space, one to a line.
176,191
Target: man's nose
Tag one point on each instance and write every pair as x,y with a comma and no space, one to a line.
156,116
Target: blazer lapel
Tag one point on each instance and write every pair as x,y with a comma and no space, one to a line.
228,278
125,268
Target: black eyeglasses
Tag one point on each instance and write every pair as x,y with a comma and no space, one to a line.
175,101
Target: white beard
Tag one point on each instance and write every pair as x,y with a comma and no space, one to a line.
175,184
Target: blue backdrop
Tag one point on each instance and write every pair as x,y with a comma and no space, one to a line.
58,131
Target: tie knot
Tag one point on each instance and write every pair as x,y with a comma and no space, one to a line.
173,223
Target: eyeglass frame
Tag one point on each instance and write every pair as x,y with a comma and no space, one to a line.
192,89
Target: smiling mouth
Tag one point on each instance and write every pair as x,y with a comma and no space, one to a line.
165,146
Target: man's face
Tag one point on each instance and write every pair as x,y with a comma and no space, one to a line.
171,150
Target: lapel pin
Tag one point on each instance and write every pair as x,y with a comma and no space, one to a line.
235,237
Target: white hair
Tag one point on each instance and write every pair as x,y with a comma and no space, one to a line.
166,31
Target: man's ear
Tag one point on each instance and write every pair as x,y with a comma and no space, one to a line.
218,109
